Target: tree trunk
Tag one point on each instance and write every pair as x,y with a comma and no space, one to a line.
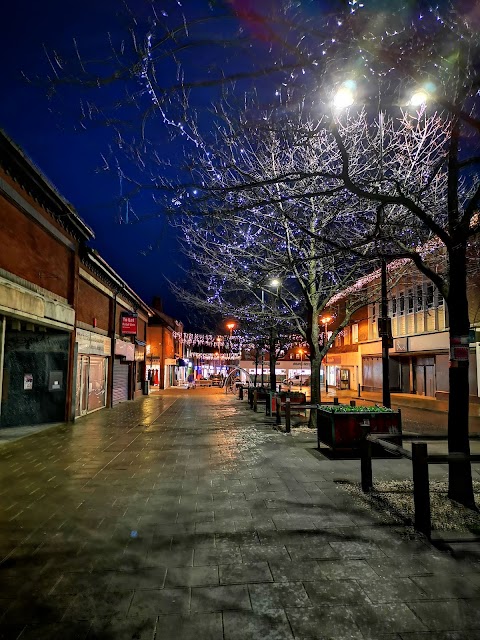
460,473
315,364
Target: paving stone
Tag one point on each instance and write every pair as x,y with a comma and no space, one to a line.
205,599
244,573
218,555
266,597
387,618
393,589
242,625
192,576
319,623
253,553
199,626
151,602
344,592
123,629
449,615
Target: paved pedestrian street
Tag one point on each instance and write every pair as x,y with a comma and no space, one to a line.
184,515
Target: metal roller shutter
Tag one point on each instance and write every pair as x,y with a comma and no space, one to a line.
120,381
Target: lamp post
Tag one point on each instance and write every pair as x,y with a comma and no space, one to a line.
325,322
274,282
345,98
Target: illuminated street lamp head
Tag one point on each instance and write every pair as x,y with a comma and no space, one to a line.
419,98
343,98
327,319
275,282
230,326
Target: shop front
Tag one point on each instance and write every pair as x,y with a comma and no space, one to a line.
92,366
124,356
34,373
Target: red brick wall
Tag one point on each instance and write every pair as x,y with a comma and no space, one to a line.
168,345
92,303
31,253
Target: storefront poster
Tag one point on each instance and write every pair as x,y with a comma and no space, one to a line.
27,381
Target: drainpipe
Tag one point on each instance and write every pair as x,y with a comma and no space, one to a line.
112,358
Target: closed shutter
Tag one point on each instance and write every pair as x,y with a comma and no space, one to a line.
120,381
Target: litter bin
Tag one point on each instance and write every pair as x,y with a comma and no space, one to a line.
146,387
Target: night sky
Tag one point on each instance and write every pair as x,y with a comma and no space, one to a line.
70,157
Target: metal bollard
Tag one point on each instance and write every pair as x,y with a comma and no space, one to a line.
335,400
287,415
278,410
240,392
421,488
353,403
366,465
255,400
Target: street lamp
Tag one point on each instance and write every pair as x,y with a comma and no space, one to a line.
231,327
274,282
345,97
325,322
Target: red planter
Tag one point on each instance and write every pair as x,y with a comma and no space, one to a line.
346,430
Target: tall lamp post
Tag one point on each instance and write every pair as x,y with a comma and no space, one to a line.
325,322
274,282
343,99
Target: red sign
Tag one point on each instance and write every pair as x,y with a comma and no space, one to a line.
128,324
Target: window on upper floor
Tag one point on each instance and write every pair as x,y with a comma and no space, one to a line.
346,335
401,303
429,296
440,299
338,340
394,306
419,305
410,301
354,333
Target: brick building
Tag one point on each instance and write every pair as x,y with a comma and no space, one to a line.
164,357
73,334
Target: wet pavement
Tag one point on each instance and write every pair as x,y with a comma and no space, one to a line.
184,515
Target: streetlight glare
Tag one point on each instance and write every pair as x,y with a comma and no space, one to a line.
343,98
275,282
419,98
327,319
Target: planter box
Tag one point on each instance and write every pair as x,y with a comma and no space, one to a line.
340,430
296,397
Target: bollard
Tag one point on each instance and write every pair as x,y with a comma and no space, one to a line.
240,392
421,488
278,409
335,400
268,404
359,389
366,465
255,400
353,403
287,416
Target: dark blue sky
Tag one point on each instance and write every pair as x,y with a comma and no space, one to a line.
70,157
